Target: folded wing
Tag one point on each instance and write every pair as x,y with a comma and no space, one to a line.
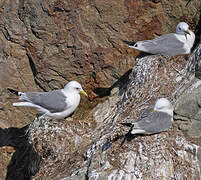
54,101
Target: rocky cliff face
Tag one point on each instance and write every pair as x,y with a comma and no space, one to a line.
44,44
93,151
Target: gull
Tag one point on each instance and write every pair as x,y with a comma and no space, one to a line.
55,104
171,44
154,119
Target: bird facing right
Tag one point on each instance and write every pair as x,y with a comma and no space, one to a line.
171,44
56,104
154,119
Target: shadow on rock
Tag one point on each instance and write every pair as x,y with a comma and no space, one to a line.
121,83
25,160
197,34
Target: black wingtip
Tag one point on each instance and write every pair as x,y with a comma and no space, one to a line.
130,43
129,136
13,91
127,124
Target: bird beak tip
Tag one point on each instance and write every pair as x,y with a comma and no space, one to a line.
187,32
83,93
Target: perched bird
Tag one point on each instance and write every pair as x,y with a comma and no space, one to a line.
56,104
154,119
171,44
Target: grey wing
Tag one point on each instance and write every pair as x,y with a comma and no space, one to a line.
54,101
155,122
166,44
145,114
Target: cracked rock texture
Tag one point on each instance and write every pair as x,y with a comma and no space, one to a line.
188,109
188,105
91,148
45,44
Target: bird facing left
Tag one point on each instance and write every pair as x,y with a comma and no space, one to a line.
56,104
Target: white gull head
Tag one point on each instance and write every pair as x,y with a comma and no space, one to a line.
164,105
74,87
182,28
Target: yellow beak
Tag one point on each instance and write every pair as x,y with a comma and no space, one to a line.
154,111
187,32
83,93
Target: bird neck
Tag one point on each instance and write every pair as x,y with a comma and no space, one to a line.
68,91
191,38
168,111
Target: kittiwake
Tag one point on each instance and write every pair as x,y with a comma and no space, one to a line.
154,119
55,104
171,44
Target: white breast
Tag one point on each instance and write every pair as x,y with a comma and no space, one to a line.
72,101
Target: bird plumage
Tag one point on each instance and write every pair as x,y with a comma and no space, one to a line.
154,119
171,44
56,103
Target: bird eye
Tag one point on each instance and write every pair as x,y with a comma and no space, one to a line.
77,88
179,28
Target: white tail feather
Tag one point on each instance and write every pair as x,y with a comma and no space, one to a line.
25,104
29,104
